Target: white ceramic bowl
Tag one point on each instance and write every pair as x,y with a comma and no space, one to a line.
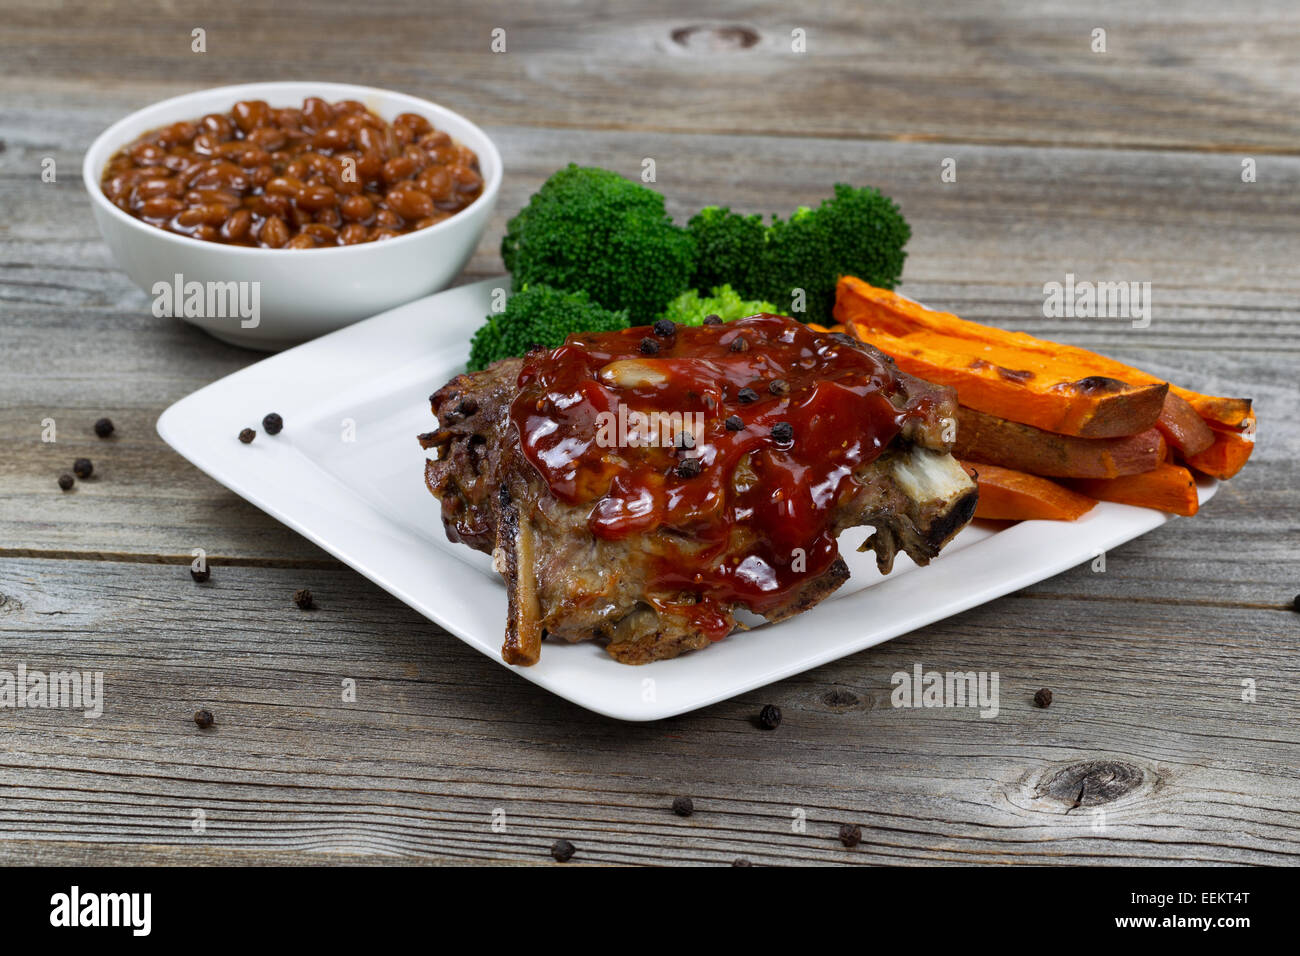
302,292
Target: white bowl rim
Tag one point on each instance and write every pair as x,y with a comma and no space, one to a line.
91,177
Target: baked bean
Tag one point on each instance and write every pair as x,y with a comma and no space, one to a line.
357,208
148,154
409,203
210,215
437,182
237,227
254,157
260,176
267,137
317,197
286,185
284,177
326,235
418,124
160,207
353,233
288,119
177,134
370,164
434,140
250,114
397,169
218,126
274,232
332,138
157,186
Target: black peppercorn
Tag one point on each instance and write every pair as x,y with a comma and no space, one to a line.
778,386
66,481
562,850
302,598
688,468
783,432
247,435
665,327
104,427
734,423
1295,604
713,319
685,440
200,576
649,346
82,468
769,718
746,395
203,718
738,344
683,806
850,835
1043,698
272,424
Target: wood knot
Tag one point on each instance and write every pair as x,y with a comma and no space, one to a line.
1091,783
715,39
838,700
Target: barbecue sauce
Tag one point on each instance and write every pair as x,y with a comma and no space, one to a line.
608,420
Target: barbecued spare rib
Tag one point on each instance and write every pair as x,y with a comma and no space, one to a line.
639,487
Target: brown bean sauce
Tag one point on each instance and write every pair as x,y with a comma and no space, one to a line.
297,178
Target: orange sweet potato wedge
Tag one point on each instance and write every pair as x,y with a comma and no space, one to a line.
1090,407
995,441
1167,488
1010,495
1182,427
1228,452
879,311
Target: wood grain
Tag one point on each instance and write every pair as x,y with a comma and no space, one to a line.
1122,166
440,737
1187,75
1222,288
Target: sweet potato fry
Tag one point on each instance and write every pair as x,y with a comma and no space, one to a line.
1009,495
986,438
1167,488
1091,407
1182,427
1229,451
881,311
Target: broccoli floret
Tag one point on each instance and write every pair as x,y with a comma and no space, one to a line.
729,248
690,307
857,232
538,315
590,230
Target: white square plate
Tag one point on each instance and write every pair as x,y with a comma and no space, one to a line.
364,501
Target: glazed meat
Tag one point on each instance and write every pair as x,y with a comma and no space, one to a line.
640,487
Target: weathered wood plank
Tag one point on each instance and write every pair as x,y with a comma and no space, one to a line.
1185,75
1224,287
440,737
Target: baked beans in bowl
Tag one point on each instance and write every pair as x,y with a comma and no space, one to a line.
335,201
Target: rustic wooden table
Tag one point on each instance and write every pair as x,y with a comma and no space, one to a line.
1119,165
